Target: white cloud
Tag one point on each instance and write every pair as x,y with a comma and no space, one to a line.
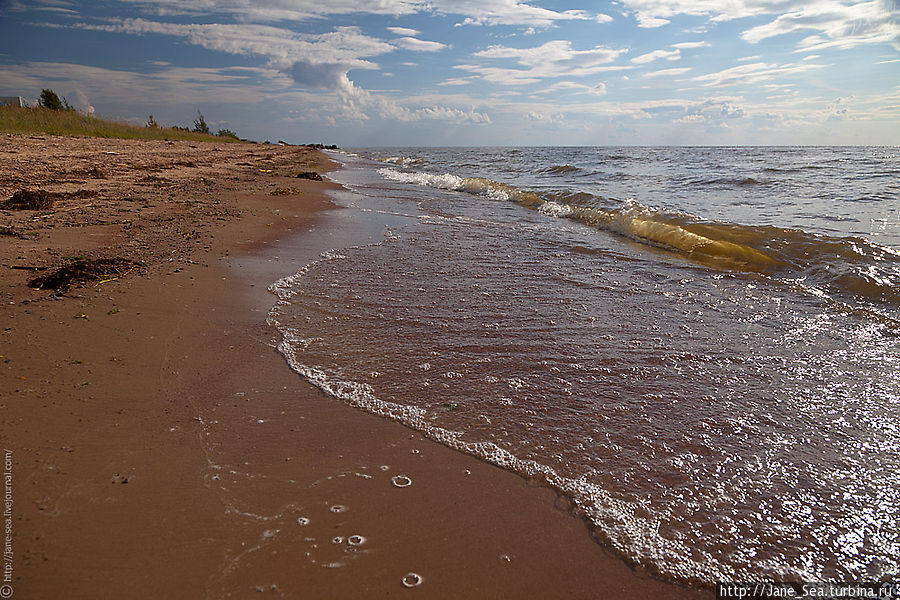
416,45
839,25
556,59
505,12
752,73
598,89
648,22
404,31
457,81
602,18
312,61
346,46
685,45
653,13
169,85
657,55
475,12
276,10
668,72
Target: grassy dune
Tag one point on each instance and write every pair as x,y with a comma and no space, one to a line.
14,119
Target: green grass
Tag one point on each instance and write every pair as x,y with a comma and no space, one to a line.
14,119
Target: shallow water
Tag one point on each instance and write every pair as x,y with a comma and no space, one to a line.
699,347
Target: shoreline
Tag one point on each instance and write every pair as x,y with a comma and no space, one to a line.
163,448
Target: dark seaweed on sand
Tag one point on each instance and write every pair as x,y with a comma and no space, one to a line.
80,271
41,200
28,200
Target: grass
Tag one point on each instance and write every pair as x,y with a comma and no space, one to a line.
14,119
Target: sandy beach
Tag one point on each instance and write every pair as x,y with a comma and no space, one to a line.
159,445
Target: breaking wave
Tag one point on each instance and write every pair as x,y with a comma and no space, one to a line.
849,265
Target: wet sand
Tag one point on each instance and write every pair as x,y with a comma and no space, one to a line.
161,447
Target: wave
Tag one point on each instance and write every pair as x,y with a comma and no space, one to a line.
851,265
402,161
728,181
560,169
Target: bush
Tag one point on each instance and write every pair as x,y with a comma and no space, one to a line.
227,133
200,125
151,123
50,100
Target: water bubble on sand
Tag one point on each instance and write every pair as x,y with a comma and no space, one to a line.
303,521
356,540
505,558
338,508
384,467
411,580
414,451
401,481
337,540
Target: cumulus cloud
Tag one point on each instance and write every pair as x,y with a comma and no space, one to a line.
311,61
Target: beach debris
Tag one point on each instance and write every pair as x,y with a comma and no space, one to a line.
338,508
303,521
401,481
311,175
337,540
42,200
82,270
411,580
288,191
81,316
93,173
29,200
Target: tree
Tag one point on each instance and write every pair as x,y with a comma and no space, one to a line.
200,125
50,100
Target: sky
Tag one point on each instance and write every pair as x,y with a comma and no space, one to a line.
472,72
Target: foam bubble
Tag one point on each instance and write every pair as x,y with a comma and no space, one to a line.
401,481
412,580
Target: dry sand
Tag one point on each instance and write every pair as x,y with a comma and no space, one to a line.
160,446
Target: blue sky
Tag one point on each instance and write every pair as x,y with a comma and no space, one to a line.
472,72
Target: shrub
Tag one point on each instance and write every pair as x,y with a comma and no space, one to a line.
200,125
50,100
227,133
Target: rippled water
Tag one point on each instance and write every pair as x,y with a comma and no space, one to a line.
699,347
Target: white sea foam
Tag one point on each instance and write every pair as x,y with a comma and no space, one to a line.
554,209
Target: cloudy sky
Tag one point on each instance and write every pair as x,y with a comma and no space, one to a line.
472,72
